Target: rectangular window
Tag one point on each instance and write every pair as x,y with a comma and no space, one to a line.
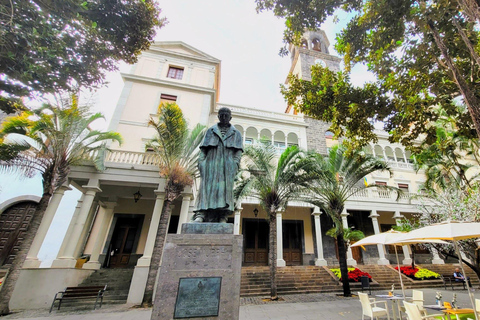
167,98
403,186
175,73
381,183
248,141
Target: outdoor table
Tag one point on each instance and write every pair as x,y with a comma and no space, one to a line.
434,307
456,312
395,304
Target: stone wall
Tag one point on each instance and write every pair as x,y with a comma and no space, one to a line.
316,135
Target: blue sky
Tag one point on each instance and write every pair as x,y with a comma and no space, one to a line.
247,43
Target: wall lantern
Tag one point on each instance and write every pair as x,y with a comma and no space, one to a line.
255,212
137,195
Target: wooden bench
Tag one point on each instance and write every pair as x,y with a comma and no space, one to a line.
74,293
450,279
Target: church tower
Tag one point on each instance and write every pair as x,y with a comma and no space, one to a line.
313,50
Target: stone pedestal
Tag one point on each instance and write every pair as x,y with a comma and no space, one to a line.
200,274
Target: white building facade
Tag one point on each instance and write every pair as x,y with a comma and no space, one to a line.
115,231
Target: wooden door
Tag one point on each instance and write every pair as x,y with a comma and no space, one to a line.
292,242
123,241
255,235
14,223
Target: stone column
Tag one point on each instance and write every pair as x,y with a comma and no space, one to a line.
406,249
236,223
82,240
73,221
436,258
140,274
104,218
381,249
320,260
350,260
32,257
183,212
280,261
68,260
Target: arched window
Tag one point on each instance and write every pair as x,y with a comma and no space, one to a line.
304,44
317,45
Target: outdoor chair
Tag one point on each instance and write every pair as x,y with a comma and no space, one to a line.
477,305
417,298
413,313
370,309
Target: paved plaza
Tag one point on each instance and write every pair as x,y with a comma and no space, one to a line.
293,307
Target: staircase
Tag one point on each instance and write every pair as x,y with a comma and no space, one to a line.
448,269
310,279
290,280
118,284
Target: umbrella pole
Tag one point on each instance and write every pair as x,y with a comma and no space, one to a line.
400,273
466,281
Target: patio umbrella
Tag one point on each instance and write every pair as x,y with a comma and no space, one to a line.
448,230
390,237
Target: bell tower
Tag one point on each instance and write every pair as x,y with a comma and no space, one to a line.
313,50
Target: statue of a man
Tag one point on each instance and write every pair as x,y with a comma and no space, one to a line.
218,163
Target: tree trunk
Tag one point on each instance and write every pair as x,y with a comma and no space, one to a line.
14,271
469,97
272,255
342,259
157,250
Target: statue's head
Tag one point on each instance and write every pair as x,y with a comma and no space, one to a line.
224,115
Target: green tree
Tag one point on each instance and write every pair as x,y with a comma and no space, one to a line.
339,177
49,46
422,53
177,148
349,235
48,141
274,183
450,160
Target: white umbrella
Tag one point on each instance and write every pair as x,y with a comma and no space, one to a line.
390,237
448,230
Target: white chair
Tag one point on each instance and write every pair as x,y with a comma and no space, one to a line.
417,298
413,313
477,305
370,309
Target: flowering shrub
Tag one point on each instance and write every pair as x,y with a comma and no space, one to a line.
408,271
418,274
426,274
354,274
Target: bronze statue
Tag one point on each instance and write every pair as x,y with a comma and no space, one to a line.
218,163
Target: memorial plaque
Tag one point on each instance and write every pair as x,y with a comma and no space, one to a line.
198,297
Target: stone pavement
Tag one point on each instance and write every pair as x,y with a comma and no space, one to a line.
293,307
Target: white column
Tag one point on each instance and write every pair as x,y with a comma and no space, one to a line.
105,216
406,249
152,230
82,240
381,250
236,223
68,260
320,260
280,261
436,258
73,221
183,212
32,260
350,260
140,274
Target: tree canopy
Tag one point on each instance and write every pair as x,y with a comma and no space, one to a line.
49,46
424,55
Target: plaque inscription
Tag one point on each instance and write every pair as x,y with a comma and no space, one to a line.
198,297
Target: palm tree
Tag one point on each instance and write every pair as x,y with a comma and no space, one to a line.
338,177
48,141
274,184
177,148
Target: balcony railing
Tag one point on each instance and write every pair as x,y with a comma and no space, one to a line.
128,157
261,114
